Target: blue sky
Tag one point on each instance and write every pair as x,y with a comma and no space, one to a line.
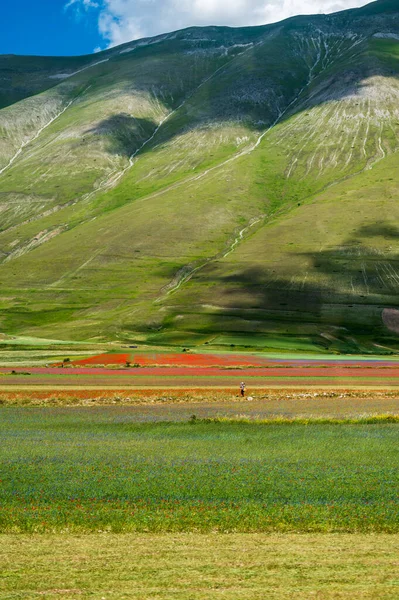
45,27
70,27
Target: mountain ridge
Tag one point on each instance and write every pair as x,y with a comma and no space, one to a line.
182,151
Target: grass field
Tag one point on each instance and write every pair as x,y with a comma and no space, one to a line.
100,470
200,567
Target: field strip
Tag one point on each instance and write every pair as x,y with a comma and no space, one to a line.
90,471
303,387
303,566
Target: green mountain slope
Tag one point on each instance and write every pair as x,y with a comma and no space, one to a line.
233,186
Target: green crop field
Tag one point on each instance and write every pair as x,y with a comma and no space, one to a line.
86,470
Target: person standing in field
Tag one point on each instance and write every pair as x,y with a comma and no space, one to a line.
242,388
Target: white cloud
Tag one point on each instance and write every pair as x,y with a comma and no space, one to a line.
86,4
125,20
80,7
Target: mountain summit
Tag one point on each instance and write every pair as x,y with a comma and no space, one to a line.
229,186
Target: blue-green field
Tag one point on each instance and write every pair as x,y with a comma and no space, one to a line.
98,470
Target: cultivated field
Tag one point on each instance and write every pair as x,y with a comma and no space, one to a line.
196,370
157,457
200,567
85,470
176,404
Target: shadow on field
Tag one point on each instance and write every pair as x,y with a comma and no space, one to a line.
347,289
385,230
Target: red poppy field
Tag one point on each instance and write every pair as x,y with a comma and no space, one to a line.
220,361
183,359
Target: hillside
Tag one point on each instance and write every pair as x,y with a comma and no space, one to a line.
214,185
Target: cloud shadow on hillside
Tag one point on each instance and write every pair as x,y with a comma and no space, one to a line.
124,133
253,90
354,287
385,230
